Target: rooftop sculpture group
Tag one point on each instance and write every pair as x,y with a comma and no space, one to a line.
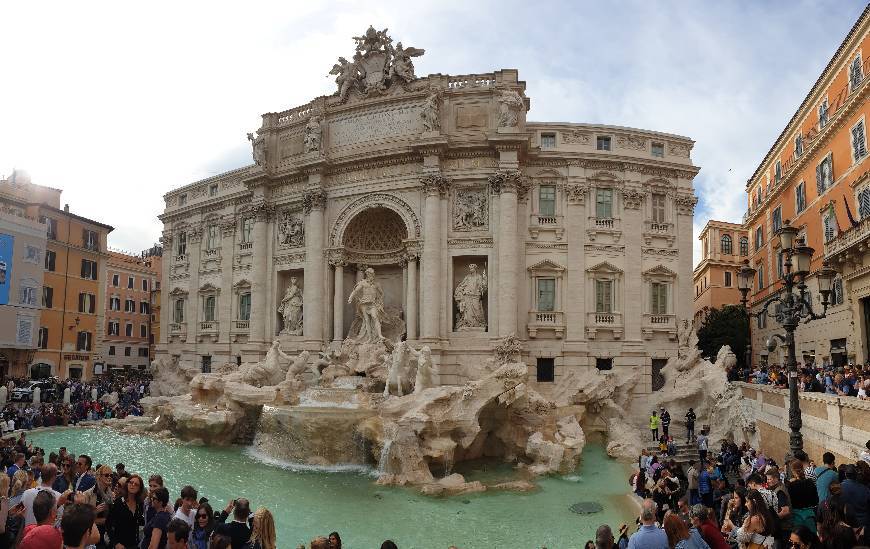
376,65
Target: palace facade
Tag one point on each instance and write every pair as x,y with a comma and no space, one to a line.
580,234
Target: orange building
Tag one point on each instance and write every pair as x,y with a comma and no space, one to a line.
724,246
71,320
813,175
130,283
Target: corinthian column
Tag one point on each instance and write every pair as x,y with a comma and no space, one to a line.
314,291
411,298
338,301
507,184
435,186
259,273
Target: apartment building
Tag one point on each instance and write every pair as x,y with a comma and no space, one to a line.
724,247
130,283
71,323
815,175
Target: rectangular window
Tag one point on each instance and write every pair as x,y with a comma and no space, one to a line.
823,114
111,350
244,306
727,279
658,149
144,308
143,330
855,75
548,140
208,309
114,303
127,351
800,197
658,208
863,200
777,219
90,240
761,320
602,143
130,282
128,329
206,364
247,230
87,303
178,312
144,284
116,280
658,298
780,264
829,223
760,277
759,238
47,296
604,364
744,246
546,294
181,245
182,199
114,328
50,258
213,190
777,171
859,143
129,306
51,228
89,269
42,338
212,239
603,296
546,370
547,200
604,203
798,145
83,341
143,351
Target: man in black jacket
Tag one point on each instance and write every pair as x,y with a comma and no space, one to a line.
239,531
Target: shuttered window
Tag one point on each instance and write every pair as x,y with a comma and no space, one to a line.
658,298
864,203
859,142
825,174
603,296
47,296
800,197
855,75
83,341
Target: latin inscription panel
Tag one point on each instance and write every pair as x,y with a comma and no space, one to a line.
374,125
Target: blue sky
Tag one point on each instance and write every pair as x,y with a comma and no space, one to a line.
117,105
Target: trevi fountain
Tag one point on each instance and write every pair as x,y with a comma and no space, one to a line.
414,282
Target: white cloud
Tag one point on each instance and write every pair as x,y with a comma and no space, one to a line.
118,103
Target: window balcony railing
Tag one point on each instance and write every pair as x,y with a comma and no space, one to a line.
213,252
604,222
660,227
847,239
180,258
539,222
246,245
241,325
208,326
596,321
546,320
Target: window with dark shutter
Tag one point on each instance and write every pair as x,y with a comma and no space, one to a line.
859,144
47,296
81,303
84,268
92,303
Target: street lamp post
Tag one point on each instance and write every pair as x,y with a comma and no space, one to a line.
744,283
793,307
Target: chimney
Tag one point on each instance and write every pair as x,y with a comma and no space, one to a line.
66,208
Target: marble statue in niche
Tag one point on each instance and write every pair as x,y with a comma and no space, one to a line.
509,104
290,309
369,298
469,300
313,134
431,113
291,230
470,211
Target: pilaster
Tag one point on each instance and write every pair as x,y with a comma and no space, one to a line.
313,204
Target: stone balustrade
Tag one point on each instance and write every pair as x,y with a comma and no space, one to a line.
546,321
241,325
831,423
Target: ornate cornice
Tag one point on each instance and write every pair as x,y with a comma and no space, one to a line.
435,184
576,192
632,199
685,204
509,181
314,199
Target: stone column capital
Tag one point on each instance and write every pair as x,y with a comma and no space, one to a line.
435,184
685,203
509,181
314,199
336,258
263,212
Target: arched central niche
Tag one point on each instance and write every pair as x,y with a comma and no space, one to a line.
376,229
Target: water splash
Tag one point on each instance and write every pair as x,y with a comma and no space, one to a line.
390,432
298,467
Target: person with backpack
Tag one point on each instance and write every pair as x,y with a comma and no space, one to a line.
825,475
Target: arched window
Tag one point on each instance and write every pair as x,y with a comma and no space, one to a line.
726,244
744,246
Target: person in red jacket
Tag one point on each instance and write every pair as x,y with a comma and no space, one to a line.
708,529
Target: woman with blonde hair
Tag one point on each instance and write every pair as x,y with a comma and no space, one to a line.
20,483
262,531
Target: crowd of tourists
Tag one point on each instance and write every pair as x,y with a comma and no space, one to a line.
738,497
847,380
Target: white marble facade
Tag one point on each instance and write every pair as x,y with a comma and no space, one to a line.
580,234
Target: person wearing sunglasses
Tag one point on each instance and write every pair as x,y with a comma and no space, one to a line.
66,475
804,538
202,527
127,513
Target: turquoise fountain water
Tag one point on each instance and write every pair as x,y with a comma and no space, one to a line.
308,502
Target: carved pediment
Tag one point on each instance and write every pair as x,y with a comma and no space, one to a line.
209,288
546,265
659,271
242,284
604,267
178,292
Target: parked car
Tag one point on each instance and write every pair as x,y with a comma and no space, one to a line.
25,392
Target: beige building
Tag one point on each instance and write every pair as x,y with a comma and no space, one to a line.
579,234
22,252
724,247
